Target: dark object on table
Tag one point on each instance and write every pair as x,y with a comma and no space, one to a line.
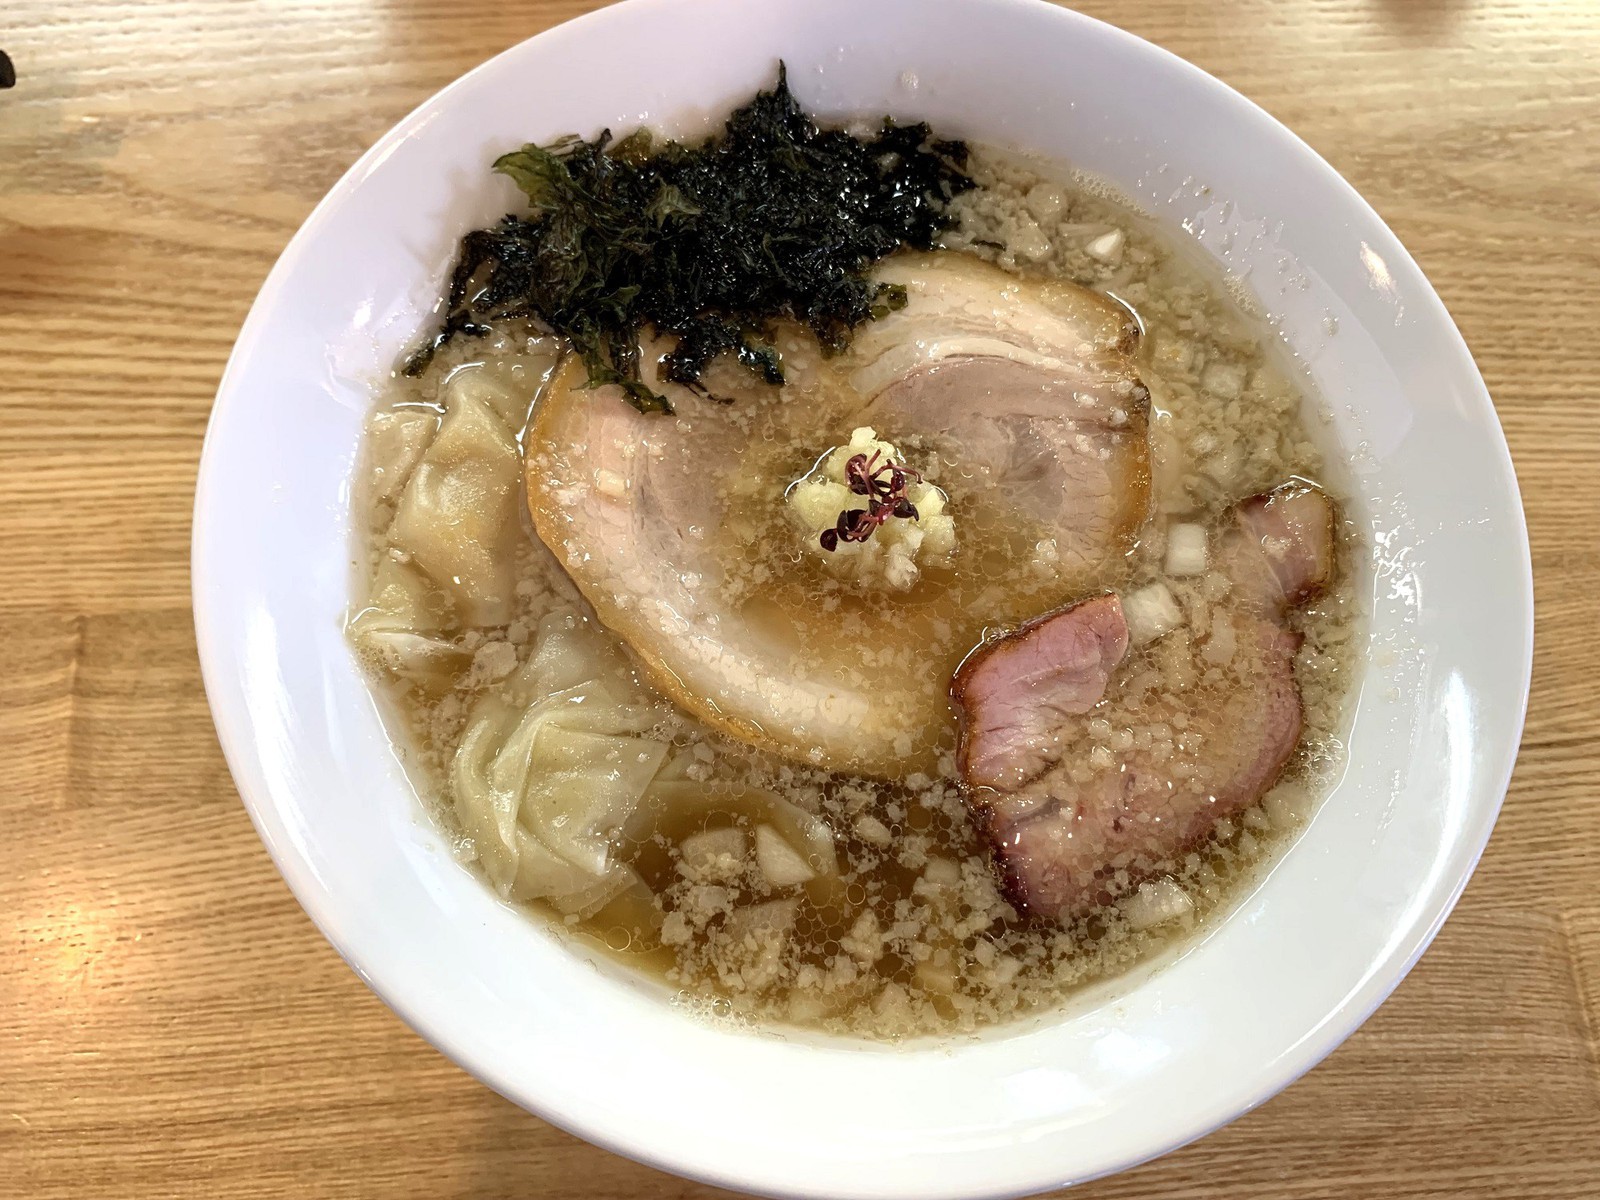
8,73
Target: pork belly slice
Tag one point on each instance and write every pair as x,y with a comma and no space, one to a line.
1032,384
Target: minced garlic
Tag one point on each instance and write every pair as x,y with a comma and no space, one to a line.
895,552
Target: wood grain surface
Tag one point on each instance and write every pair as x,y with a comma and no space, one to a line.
170,1022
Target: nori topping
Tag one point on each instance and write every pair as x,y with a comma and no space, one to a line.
775,218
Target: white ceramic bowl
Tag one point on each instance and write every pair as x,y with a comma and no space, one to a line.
1131,1071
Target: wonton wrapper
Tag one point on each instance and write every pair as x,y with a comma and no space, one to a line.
397,438
548,771
458,515
404,627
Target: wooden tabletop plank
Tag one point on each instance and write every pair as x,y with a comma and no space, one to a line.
174,1025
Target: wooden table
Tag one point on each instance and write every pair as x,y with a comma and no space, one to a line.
171,1023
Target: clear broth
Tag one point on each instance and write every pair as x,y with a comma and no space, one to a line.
911,935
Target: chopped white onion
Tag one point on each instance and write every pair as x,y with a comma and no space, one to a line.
780,862
1027,240
1186,549
1225,380
873,831
1107,248
773,919
941,872
1156,903
1045,201
892,1005
757,936
610,483
714,853
1219,648
1151,612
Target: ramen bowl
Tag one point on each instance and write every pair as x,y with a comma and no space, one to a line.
1126,1071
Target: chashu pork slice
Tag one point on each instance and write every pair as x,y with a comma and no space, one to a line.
1028,388
1040,397
1065,813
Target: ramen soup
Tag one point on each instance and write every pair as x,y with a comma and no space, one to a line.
863,580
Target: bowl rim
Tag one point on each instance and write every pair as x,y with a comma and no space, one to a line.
297,874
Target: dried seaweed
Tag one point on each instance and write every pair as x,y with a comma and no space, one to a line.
775,218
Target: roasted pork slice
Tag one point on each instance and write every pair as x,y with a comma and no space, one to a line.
1090,775
1027,388
1020,696
1039,396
